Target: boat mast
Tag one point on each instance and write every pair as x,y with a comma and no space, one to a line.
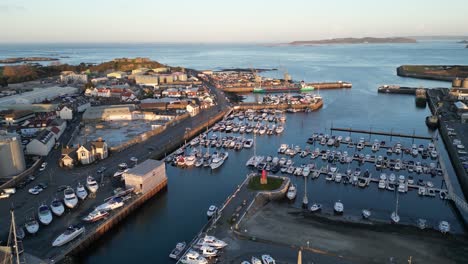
255,145
15,240
305,200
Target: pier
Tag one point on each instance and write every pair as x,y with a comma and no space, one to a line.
383,133
256,106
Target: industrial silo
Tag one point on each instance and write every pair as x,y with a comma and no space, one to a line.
11,155
456,82
465,83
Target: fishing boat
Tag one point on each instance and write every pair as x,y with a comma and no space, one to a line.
292,192
315,207
91,184
193,257
70,199
366,213
71,233
444,227
179,248
338,207
45,215
32,226
57,207
211,211
81,192
95,216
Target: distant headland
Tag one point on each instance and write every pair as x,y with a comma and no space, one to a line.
366,40
26,59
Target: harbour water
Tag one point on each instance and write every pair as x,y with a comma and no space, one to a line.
178,213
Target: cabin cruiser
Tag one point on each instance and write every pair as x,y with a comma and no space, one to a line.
212,242
81,192
315,207
366,213
91,184
211,211
267,259
248,143
279,129
175,253
292,192
338,207
96,215
57,207
70,199
112,204
199,162
283,148
32,226
382,184
218,160
444,227
255,260
190,160
208,252
45,215
71,233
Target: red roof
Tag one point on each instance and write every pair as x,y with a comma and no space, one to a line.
55,129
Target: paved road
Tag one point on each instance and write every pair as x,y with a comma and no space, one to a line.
26,204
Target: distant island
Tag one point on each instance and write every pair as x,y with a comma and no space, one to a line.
433,72
463,42
26,59
355,41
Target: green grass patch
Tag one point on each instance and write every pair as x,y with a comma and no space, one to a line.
273,184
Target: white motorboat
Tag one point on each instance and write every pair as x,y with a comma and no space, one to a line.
45,215
190,160
382,184
366,213
444,227
32,226
112,204
218,160
212,210
267,259
255,260
70,199
175,253
306,171
212,242
245,262
248,143
91,184
316,207
292,192
193,257
208,252
395,217
71,233
283,148
199,162
338,207
81,192
57,207
95,216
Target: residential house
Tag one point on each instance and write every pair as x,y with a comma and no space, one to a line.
193,109
41,144
146,80
92,151
65,113
128,97
69,157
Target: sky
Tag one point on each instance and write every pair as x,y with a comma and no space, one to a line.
205,21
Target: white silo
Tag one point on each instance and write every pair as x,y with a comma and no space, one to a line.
11,155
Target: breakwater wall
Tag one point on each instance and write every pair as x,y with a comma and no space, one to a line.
255,106
434,97
401,71
267,89
397,90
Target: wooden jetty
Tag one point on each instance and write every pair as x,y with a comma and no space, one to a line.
383,133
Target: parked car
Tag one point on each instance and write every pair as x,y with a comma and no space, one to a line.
35,190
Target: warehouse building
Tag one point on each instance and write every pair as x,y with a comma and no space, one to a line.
11,155
146,176
41,144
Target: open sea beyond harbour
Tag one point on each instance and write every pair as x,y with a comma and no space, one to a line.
149,234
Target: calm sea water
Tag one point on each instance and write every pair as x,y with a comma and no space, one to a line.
178,213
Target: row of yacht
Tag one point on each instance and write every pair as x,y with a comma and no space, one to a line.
269,115
258,128
204,248
227,142
264,259
57,207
